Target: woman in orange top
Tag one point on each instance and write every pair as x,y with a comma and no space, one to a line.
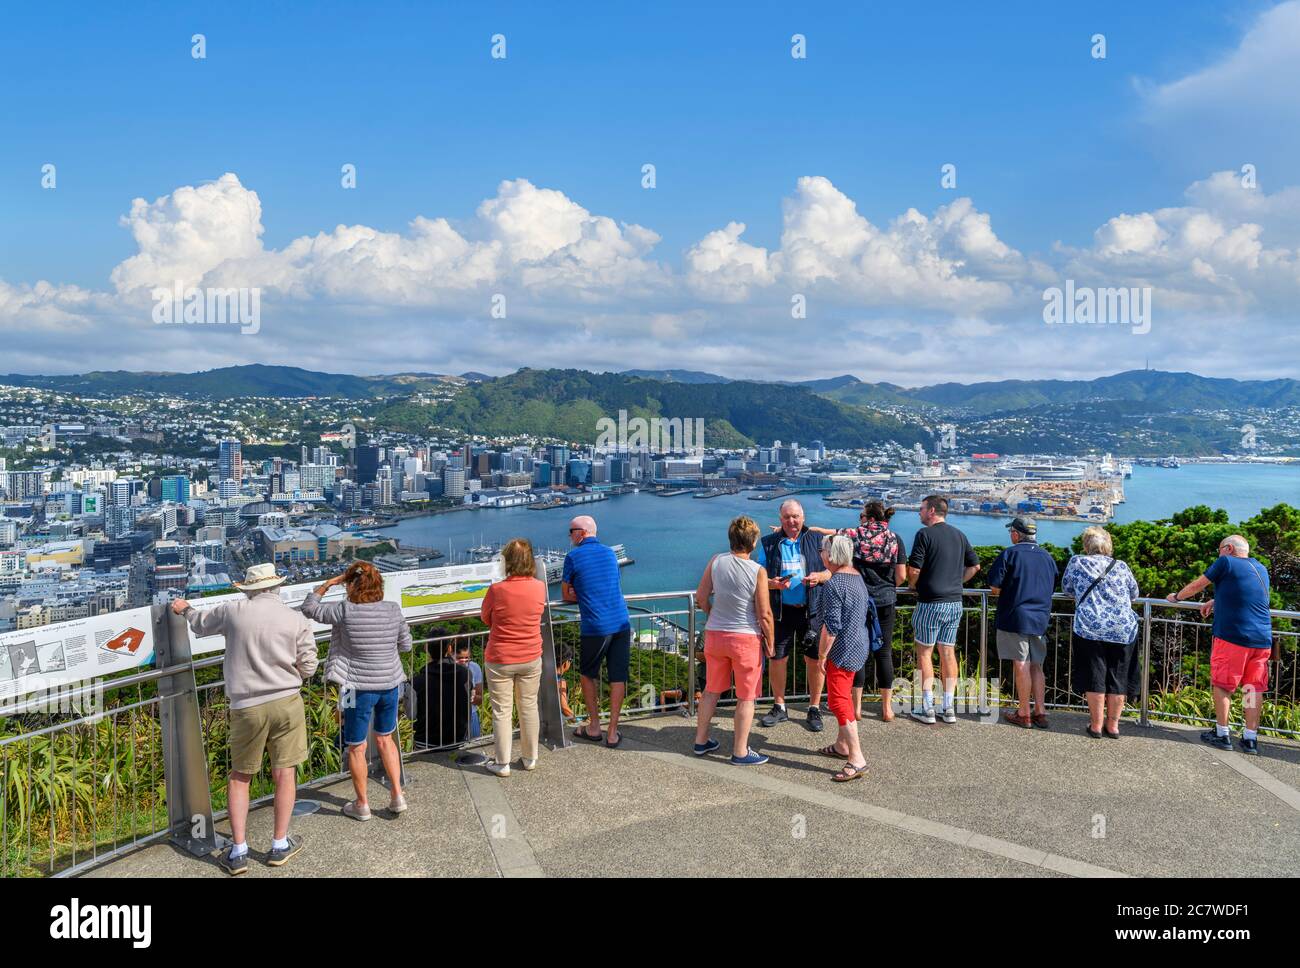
512,611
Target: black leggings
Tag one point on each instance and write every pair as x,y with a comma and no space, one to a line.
883,657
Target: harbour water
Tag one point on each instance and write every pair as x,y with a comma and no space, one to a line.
672,539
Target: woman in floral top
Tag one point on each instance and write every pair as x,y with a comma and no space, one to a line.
1105,630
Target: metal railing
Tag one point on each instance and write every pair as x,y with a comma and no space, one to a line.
76,789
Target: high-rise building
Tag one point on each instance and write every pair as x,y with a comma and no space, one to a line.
227,489
19,485
542,473
176,488
367,464
230,461
453,481
577,472
316,477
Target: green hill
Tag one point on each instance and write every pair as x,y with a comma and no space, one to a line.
568,403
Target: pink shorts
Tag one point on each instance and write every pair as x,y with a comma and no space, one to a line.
738,653
1233,665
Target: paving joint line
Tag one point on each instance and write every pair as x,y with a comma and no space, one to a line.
933,829
511,852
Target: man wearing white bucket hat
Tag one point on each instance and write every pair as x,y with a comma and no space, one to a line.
270,650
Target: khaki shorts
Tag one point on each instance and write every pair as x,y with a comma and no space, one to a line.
279,726
1022,647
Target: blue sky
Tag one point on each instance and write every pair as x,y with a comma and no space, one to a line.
1049,144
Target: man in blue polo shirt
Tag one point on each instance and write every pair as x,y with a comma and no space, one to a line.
1242,638
1023,578
591,579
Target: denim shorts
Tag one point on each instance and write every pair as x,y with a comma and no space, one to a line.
359,704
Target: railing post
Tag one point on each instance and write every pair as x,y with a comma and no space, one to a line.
1143,718
690,661
984,644
553,731
185,763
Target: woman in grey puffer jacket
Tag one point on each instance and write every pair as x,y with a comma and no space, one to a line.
368,633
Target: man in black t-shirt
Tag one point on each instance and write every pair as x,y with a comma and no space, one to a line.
941,563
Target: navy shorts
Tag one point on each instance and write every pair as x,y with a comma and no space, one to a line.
791,627
615,650
358,706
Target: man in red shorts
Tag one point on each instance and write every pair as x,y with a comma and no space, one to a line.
1243,638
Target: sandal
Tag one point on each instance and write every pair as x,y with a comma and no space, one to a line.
832,752
581,733
1016,719
850,772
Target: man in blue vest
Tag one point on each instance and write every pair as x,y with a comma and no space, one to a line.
791,556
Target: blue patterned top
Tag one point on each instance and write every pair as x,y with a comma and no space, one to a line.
1107,615
844,613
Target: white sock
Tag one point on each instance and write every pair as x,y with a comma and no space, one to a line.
947,700
1220,730
1249,733
238,850
282,844
927,697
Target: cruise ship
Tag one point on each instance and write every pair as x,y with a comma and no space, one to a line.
553,559
1025,470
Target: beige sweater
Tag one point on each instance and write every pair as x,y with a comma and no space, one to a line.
270,648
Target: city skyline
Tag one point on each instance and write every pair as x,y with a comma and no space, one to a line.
777,180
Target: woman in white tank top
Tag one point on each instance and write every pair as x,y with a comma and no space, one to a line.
733,594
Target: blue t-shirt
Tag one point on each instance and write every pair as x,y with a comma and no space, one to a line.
1025,573
792,564
592,569
1241,602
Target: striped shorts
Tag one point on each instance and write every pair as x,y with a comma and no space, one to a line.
936,623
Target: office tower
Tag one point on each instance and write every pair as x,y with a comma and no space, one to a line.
176,488
367,464
542,473
453,482
577,472
230,461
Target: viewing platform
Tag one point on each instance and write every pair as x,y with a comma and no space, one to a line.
114,792
975,799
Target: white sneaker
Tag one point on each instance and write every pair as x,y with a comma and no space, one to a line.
350,809
499,769
397,804
528,764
